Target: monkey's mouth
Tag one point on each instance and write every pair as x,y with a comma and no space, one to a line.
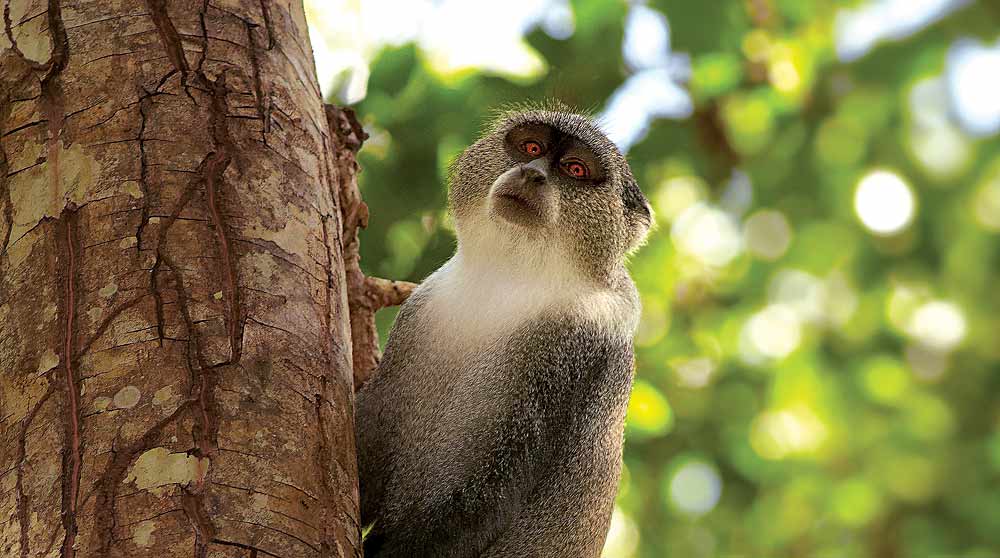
519,209
519,200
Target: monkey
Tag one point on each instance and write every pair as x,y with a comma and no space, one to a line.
494,424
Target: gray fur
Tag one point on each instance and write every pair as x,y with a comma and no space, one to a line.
493,427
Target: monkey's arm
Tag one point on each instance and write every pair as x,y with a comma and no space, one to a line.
562,380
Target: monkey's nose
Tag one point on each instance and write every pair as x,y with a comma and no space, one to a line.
532,175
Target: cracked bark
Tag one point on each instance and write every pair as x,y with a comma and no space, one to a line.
175,343
73,443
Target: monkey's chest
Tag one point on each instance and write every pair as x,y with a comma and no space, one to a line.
452,415
458,389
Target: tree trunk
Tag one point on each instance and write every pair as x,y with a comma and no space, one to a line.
175,353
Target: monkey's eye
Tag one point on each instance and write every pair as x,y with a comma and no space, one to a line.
532,148
576,168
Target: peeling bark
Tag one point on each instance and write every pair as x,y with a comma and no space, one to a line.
175,344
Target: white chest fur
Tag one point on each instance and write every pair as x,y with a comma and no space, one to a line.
474,302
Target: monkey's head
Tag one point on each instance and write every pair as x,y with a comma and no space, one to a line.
545,185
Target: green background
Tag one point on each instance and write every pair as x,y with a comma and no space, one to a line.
835,387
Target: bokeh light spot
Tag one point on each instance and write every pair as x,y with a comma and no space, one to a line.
738,194
677,194
694,372
903,301
782,433
647,38
623,536
840,300
785,76
757,45
928,418
695,488
884,202
974,76
767,234
559,22
750,122
803,292
885,379
859,28
772,333
708,234
938,324
649,414
841,142
936,142
785,71
716,73
928,364
654,323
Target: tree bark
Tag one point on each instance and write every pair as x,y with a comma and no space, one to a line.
175,351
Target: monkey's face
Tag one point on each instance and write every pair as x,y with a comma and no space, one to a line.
545,181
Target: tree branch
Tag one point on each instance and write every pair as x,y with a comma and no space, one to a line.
365,295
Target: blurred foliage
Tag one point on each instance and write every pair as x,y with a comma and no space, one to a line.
806,386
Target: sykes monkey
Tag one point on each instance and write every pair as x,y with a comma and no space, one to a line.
493,427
